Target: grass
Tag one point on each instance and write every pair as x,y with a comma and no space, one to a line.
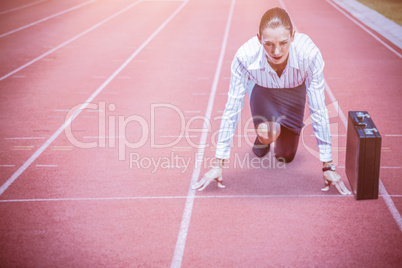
391,9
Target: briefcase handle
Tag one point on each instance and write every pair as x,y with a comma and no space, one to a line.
359,119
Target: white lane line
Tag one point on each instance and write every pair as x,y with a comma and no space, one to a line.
21,7
47,18
170,197
185,222
388,201
88,101
7,165
393,135
70,40
46,165
22,148
192,112
90,199
364,28
25,138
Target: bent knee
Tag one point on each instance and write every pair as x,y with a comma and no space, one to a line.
268,131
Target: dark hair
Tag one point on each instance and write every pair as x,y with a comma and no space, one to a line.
274,18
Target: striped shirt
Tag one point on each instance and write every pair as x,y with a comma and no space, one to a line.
250,67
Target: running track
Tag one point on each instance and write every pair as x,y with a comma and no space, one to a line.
95,93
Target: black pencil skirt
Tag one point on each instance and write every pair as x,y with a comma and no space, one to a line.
284,106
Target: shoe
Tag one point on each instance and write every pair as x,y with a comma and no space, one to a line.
260,149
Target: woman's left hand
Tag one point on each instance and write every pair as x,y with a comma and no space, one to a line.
331,177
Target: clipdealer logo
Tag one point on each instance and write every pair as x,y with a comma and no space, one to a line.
112,127
183,163
116,130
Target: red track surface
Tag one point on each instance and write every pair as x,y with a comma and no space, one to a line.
62,205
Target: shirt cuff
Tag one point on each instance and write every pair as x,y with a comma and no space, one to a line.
325,152
222,152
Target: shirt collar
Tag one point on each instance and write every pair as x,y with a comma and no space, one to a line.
293,57
261,60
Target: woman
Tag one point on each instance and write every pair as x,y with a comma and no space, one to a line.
278,68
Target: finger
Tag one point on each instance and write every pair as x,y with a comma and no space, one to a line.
207,182
345,189
198,184
340,189
326,188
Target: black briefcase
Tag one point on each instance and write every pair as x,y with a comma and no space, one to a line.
363,151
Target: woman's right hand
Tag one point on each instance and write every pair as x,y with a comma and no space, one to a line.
214,174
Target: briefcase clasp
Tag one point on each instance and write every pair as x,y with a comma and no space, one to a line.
370,131
359,119
362,115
